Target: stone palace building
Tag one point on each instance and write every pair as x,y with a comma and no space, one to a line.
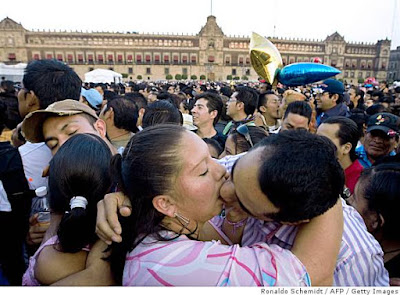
210,53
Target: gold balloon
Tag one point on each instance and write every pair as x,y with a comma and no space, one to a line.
265,57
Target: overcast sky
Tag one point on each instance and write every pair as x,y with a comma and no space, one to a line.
356,20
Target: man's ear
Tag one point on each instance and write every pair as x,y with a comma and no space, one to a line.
335,97
346,148
214,113
263,109
32,101
100,126
165,205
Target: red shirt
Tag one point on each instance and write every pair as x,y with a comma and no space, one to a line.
352,174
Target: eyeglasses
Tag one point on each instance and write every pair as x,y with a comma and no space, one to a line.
244,130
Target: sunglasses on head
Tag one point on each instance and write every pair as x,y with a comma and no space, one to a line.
244,130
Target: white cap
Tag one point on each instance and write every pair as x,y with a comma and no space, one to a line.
41,191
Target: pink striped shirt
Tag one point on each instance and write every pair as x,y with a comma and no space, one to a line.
186,262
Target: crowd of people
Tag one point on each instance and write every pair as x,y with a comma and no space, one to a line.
193,183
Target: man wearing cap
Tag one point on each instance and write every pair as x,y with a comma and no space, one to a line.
92,98
330,102
61,120
380,138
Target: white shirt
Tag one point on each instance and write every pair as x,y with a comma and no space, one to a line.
35,158
5,205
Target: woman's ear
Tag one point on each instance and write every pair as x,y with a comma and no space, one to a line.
165,205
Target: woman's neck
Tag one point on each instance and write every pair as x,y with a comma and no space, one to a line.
191,229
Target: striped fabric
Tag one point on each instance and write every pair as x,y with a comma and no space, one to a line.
185,262
360,260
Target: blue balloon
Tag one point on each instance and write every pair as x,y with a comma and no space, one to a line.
303,73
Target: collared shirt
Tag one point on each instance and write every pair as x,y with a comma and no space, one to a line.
360,260
363,157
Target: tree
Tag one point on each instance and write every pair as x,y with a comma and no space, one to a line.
184,76
193,77
229,77
245,78
178,77
236,78
169,77
139,77
360,80
124,75
202,77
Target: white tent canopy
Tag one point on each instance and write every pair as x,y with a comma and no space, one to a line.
103,76
14,73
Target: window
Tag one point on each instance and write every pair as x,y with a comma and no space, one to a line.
11,56
70,58
130,70
193,60
234,72
100,58
360,74
148,71
110,58
111,68
210,58
184,59
333,63
49,56
59,57
383,66
91,69
247,60
148,58
176,59
36,56
248,72
166,59
138,59
351,74
119,58
166,71
227,60
80,57
157,58
184,71
130,58
240,60
346,74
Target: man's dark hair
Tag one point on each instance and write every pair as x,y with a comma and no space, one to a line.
225,90
376,108
3,116
348,132
110,95
125,113
249,97
52,81
138,98
161,111
301,108
263,99
360,118
214,103
302,184
215,144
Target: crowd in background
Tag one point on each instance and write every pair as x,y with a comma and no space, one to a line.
296,152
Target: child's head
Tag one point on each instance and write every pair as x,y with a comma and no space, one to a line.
80,168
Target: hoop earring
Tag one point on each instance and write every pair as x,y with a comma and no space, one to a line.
183,220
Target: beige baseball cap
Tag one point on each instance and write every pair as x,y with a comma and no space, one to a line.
32,126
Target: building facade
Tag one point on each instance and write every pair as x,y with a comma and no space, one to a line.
394,65
210,53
